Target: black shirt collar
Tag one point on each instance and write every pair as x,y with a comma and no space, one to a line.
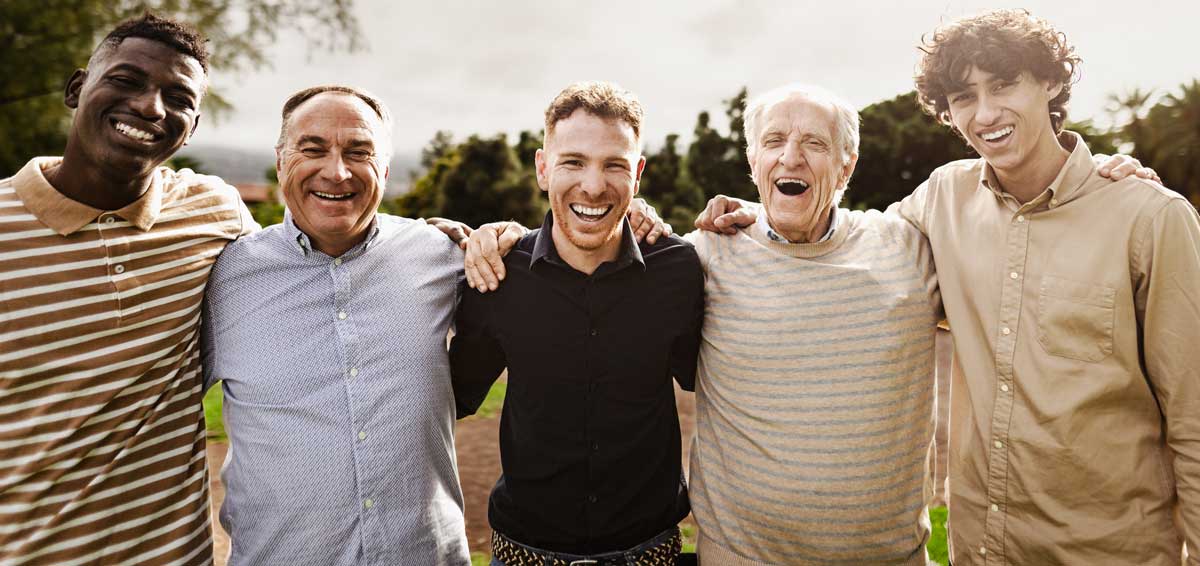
544,250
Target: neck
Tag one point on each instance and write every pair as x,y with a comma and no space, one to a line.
1029,179
582,260
336,247
93,186
805,235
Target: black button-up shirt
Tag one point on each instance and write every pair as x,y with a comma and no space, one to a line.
589,434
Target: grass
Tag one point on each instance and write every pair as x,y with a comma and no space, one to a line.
494,400
937,539
213,401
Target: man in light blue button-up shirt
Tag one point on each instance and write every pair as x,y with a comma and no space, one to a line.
329,331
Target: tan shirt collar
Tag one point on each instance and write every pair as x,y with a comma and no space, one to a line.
66,216
1074,173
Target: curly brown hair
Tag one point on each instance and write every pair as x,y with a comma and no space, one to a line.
600,99
1005,43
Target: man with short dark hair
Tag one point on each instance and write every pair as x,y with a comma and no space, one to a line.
1074,303
589,435
103,259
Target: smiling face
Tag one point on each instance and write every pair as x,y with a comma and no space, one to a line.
798,166
1007,121
590,167
136,105
331,171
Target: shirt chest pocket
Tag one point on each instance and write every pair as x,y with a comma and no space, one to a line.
1075,320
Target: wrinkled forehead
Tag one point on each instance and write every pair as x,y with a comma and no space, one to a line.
799,114
336,116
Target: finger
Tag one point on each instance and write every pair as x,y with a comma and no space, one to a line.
490,253
655,231
469,269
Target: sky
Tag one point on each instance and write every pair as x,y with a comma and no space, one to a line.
483,67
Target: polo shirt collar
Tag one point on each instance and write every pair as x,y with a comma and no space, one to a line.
66,216
544,250
1074,173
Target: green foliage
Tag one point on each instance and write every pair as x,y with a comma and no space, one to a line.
667,186
214,401
480,559
937,547
494,401
900,145
716,163
476,181
1166,135
43,41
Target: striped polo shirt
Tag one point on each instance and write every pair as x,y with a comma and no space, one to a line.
102,454
814,401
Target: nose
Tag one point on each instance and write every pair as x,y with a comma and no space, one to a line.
335,169
793,155
593,182
987,112
149,105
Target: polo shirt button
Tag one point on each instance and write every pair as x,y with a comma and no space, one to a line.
109,220
362,435
119,269
353,372
341,315
1053,202
368,503
592,499
1020,218
337,261
982,550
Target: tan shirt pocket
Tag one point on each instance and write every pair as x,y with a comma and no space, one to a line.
1075,320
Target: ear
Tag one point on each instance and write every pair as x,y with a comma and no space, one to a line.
539,166
637,176
387,170
74,86
192,132
1053,90
279,165
848,169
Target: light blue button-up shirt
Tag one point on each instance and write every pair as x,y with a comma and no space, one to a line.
338,402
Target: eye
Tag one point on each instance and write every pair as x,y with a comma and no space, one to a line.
181,101
1003,85
358,155
961,98
123,80
572,163
772,141
312,151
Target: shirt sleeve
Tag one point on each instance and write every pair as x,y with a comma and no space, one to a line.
1167,299
207,340
686,347
476,358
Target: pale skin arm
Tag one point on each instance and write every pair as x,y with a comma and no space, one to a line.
487,245
727,214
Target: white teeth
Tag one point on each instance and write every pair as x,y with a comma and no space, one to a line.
993,136
342,196
134,132
789,180
590,211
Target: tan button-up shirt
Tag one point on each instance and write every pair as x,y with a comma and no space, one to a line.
1075,411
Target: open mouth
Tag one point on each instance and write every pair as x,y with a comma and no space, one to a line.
791,187
333,196
591,213
998,135
134,133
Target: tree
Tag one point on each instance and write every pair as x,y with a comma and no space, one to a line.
666,185
900,145
717,163
43,41
1166,136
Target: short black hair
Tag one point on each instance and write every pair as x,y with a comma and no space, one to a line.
179,36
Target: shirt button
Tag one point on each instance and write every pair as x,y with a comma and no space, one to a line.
982,550
1013,275
119,268
998,444
368,503
595,447
353,372
341,315
1053,202
1006,331
1004,387
593,332
109,220
337,261
362,435
1020,218
592,499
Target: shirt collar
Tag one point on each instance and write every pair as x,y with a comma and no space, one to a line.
66,216
543,246
304,245
1074,173
775,237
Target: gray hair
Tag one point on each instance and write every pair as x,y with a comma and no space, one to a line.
381,110
846,130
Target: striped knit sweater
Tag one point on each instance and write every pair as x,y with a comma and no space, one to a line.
815,396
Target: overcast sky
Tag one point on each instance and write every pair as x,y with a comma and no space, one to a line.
493,66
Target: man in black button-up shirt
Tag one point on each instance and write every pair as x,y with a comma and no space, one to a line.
589,436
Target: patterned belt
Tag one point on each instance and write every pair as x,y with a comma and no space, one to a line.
512,553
